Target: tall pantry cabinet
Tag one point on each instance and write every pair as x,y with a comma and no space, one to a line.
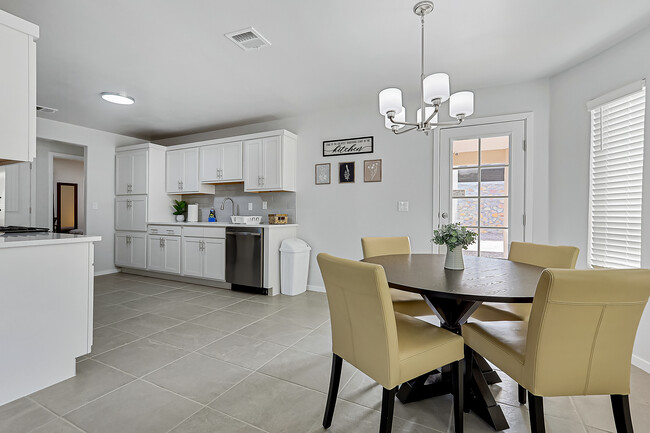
139,192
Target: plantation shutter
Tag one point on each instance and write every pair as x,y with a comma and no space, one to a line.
617,141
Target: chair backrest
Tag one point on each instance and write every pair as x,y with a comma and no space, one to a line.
581,331
373,247
364,332
545,256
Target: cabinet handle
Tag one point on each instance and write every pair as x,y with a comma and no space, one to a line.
162,242
262,180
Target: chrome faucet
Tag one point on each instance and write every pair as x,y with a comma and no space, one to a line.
235,208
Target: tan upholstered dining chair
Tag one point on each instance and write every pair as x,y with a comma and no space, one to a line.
545,256
403,302
389,347
578,340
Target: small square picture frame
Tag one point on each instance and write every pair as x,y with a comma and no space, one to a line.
346,172
323,174
372,170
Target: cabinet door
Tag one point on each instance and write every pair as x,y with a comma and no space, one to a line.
123,173
231,161
15,107
122,250
123,213
174,173
191,169
155,254
272,162
138,250
192,257
140,169
139,213
214,259
172,252
253,165
210,163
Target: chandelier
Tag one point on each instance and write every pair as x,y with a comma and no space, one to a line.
434,91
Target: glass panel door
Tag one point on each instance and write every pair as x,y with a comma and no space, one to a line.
482,184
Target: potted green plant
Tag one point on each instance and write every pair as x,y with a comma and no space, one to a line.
456,238
180,207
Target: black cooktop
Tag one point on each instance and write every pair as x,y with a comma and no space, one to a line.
19,229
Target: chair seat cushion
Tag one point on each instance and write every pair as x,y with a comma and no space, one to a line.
424,347
496,311
502,343
409,303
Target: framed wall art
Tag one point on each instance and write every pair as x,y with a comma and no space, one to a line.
372,170
348,146
346,172
322,174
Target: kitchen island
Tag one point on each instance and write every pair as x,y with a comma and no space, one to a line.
46,309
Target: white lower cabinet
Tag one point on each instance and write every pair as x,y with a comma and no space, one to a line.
204,258
164,254
131,249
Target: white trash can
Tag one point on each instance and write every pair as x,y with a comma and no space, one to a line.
294,266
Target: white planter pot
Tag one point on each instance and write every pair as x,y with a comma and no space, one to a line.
180,218
454,259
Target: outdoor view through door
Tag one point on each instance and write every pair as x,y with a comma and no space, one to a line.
483,184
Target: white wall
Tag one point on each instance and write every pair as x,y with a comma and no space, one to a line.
71,171
569,151
100,180
334,217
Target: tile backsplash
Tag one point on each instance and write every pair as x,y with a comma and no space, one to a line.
277,202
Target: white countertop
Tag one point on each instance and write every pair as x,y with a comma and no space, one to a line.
36,239
219,224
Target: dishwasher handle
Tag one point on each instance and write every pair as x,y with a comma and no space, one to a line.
243,234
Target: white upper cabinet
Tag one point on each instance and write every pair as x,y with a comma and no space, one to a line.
270,164
222,162
131,213
182,176
131,172
18,78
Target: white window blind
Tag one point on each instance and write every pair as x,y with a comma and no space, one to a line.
617,140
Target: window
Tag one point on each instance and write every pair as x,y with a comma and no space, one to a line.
616,177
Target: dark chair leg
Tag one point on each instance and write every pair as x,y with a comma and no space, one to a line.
335,379
467,382
458,390
522,394
387,406
622,416
536,409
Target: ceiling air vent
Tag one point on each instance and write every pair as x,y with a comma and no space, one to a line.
41,109
248,39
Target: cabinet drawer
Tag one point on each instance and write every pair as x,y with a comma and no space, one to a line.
193,231
214,232
165,230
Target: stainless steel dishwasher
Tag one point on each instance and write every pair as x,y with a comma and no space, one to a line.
245,258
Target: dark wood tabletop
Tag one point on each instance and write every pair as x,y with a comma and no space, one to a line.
484,279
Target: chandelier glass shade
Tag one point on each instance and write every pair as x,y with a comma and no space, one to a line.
435,91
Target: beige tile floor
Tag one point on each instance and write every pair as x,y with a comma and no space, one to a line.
172,357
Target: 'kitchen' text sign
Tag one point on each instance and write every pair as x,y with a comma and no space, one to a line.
349,146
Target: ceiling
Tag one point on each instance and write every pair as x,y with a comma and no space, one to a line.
186,77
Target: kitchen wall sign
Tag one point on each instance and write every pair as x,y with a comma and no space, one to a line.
372,170
348,146
323,174
346,172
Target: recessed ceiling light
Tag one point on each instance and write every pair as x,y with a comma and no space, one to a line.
117,98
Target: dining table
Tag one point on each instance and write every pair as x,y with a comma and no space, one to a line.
453,296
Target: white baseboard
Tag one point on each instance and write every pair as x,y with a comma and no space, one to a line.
641,363
106,272
313,288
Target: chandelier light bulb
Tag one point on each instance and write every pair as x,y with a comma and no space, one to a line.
428,111
436,86
461,104
400,117
390,100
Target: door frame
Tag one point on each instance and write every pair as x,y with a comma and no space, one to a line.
528,119
50,182
58,204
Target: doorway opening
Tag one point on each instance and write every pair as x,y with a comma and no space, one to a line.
68,201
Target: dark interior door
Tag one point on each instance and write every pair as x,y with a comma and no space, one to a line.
66,207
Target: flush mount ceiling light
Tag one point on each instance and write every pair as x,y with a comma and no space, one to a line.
434,91
117,98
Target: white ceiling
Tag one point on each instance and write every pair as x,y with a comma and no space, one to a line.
172,57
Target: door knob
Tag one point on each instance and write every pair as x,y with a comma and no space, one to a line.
445,215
